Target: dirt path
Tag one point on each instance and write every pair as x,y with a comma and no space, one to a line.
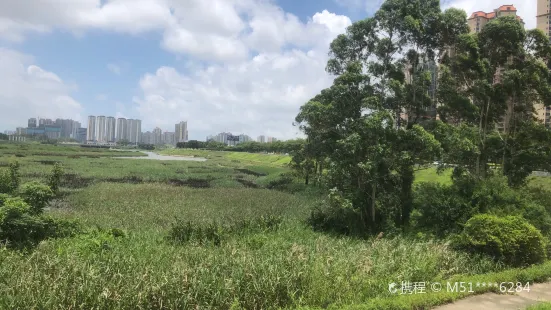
490,301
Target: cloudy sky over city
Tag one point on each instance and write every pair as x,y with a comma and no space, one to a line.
244,66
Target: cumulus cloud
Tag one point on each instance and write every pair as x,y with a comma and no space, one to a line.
28,90
214,30
262,63
259,95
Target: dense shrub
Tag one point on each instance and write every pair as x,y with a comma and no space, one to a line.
511,240
37,195
336,214
539,195
444,209
54,179
538,216
20,227
9,179
440,209
17,226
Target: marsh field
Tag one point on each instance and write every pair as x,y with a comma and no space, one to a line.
227,233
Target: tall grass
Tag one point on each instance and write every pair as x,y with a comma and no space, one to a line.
288,268
251,266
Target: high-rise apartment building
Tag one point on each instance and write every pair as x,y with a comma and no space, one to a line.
180,132
122,130
68,127
32,123
261,139
100,129
157,136
479,19
45,121
148,138
133,130
543,23
110,129
168,138
138,130
129,123
91,130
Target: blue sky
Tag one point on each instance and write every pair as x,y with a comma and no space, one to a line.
244,66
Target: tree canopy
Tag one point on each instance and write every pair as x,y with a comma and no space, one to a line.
413,87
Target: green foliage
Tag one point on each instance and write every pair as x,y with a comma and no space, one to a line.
511,240
54,179
215,232
144,146
440,209
37,195
336,214
10,179
444,209
21,228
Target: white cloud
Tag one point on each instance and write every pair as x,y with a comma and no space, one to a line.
259,95
114,68
29,91
214,30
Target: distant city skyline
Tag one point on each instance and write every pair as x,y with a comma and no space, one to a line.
108,129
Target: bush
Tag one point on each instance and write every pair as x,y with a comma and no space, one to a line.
511,240
54,179
17,226
440,209
337,215
20,228
538,216
37,195
9,179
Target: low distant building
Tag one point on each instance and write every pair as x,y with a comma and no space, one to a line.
49,131
81,135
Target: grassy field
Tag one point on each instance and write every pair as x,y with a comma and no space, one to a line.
541,306
289,266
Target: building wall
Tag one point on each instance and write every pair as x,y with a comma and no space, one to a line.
121,129
128,129
168,138
91,133
32,123
181,132
157,136
100,129
110,130
543,23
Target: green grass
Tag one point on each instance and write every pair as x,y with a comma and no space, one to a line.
540,306
154,206
291,267
235,157
431,175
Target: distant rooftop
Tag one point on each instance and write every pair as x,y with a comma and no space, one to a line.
491,15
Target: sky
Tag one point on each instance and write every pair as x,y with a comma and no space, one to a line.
243,66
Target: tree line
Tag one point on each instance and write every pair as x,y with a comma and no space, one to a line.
288,146
361,146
